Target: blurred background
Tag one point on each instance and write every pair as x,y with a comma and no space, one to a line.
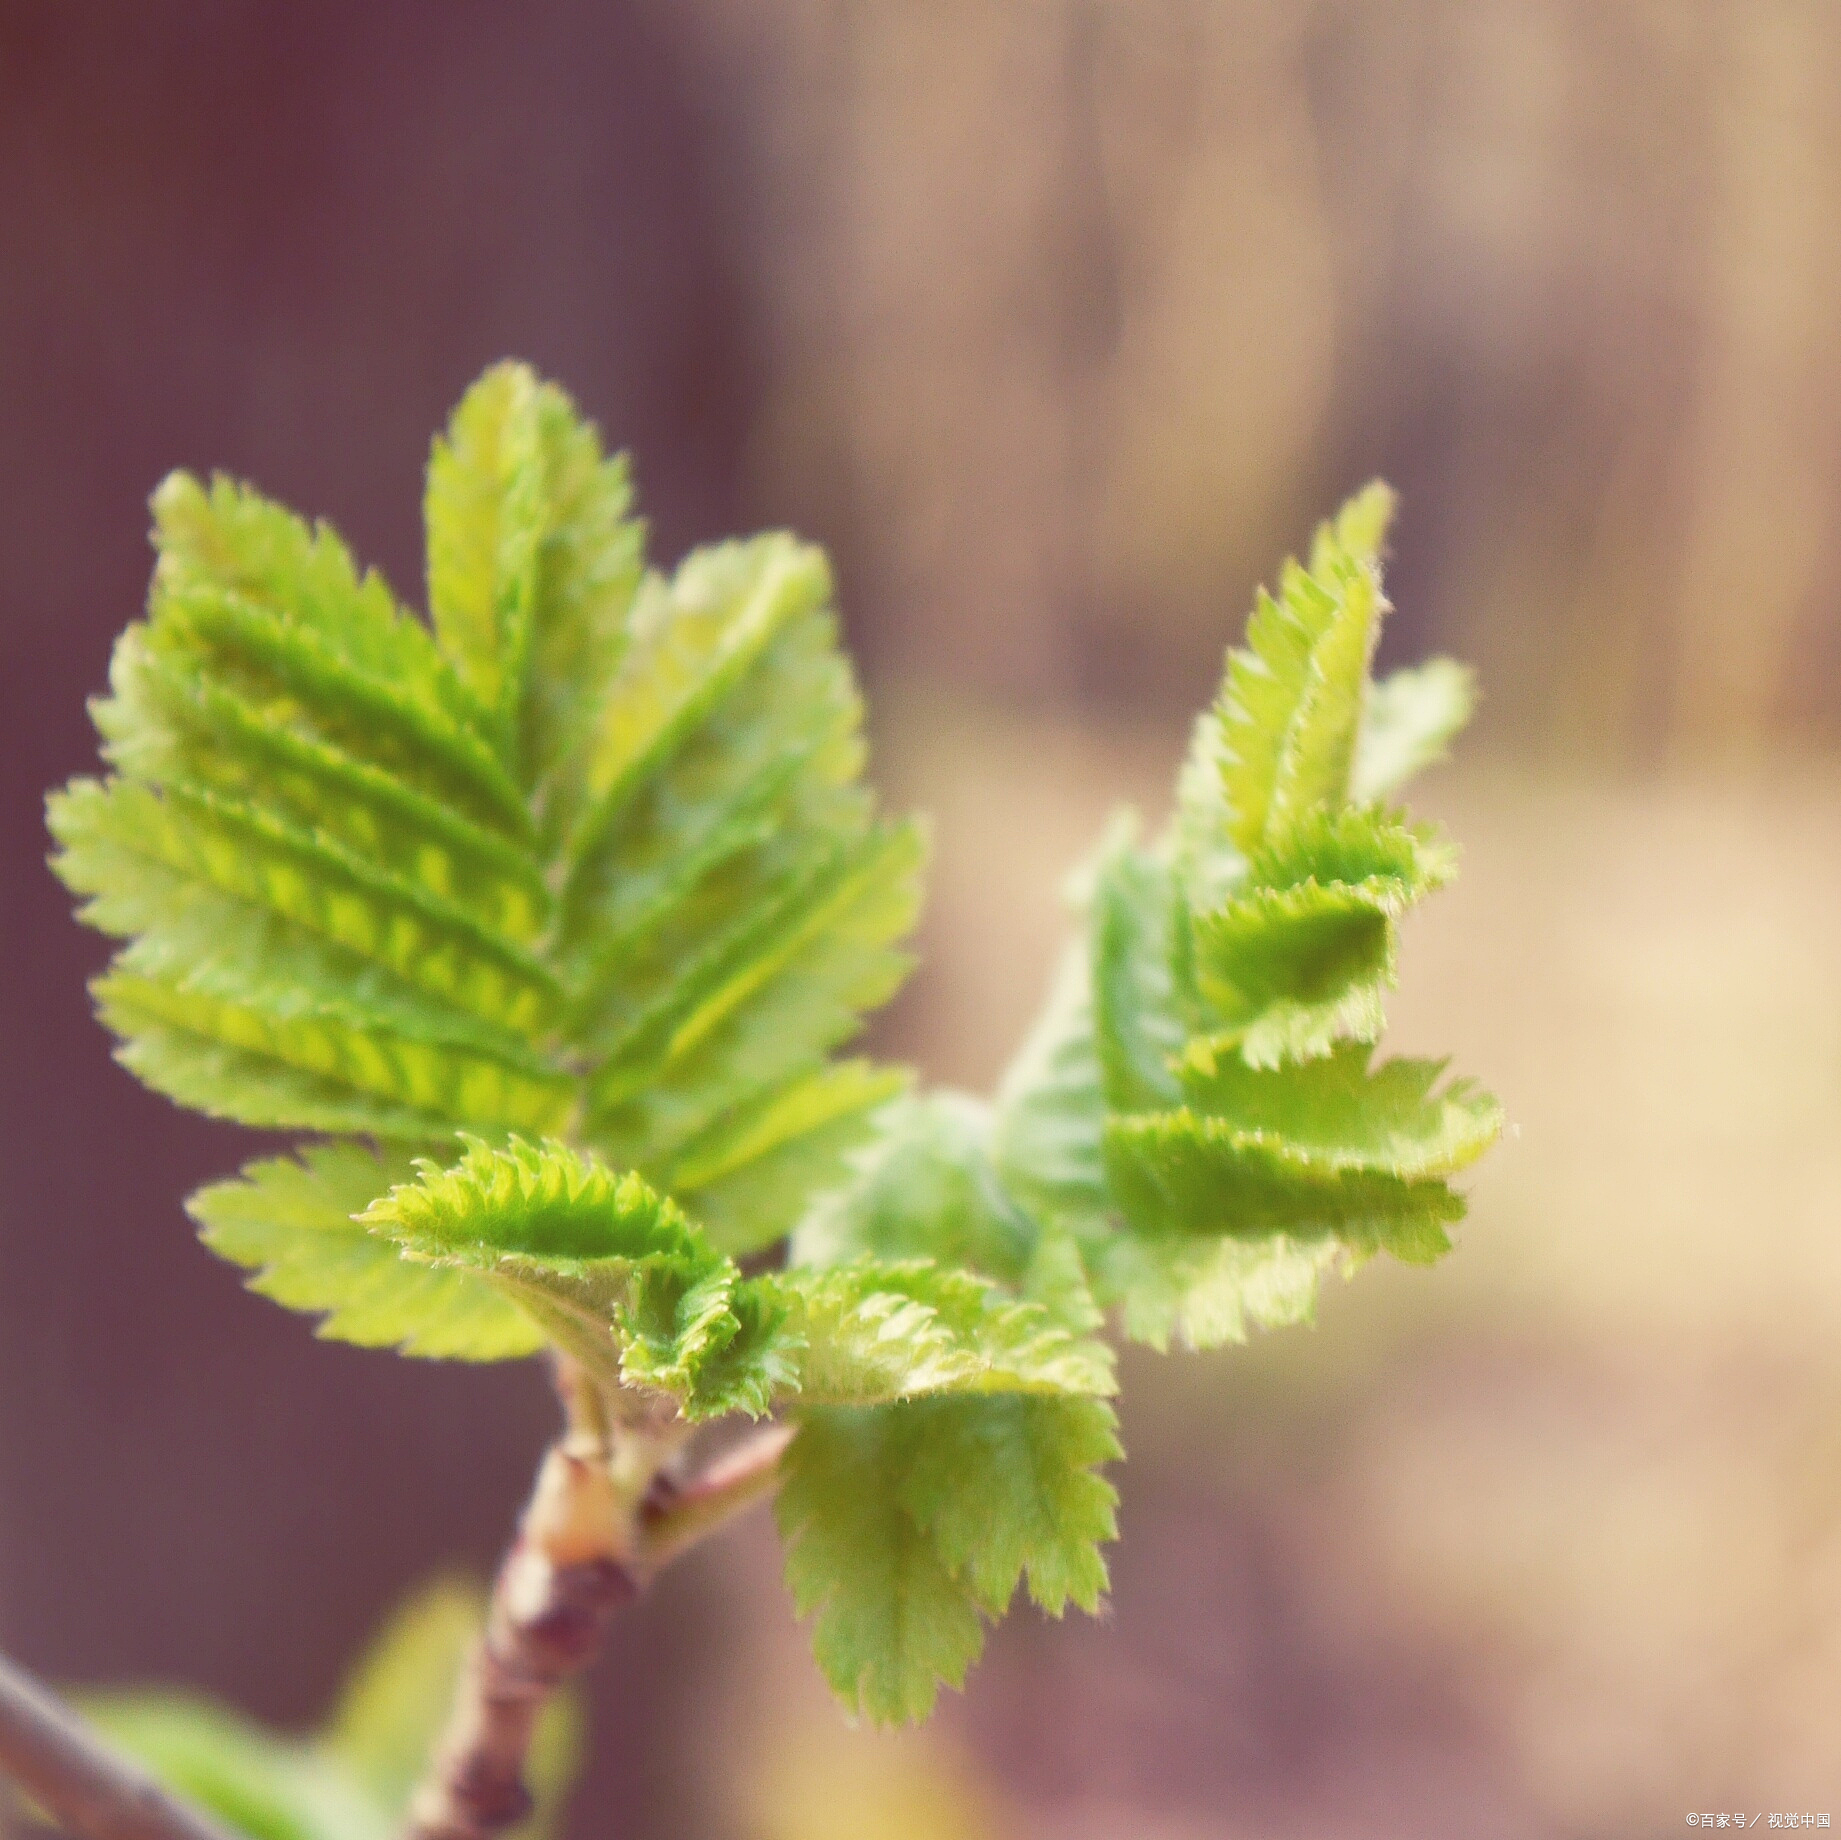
1058,321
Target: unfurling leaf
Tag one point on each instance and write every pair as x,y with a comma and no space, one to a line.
1215,1034
632,1287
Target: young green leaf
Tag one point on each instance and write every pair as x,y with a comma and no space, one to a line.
1292,702
873,1333
1009,1488
622,1278
1173,1171
1203,1291
985,1403
582,875
293,1223
612,1270
1138,949
1206,1292
890,1620
533,562
589,857
1345,1113
1049,1118
1410,722
905,1525
985,1450
752,1176
926,1188
1212,1036
1302,953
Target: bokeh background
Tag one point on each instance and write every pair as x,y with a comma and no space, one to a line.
1058,321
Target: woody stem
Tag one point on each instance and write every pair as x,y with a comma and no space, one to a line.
602,1518
83,1785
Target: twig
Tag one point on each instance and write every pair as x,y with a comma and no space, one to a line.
675,1515
601,1520
85,1787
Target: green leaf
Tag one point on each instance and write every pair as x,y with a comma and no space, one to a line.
1358,531
1322,1146
891,1623
904,1523
1202,1292
1207,864
485,510
950,1429
891,1286
607,1267
588,857
619,1275
1198,1107
1207,1292
276,615
1287,972
753,1174
1133,926
732,908
925,1188
1292,702
1347,1113
1051,1111
874,1333
1410,722
1304,952
1009,1487
292,1223
537,1201
760,1005
292,1064
1175,1171
172,720
533,564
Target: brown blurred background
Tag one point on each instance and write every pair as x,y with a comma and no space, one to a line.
1058,321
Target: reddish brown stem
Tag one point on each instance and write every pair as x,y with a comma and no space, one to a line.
600,1521
561,1582
84,1786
